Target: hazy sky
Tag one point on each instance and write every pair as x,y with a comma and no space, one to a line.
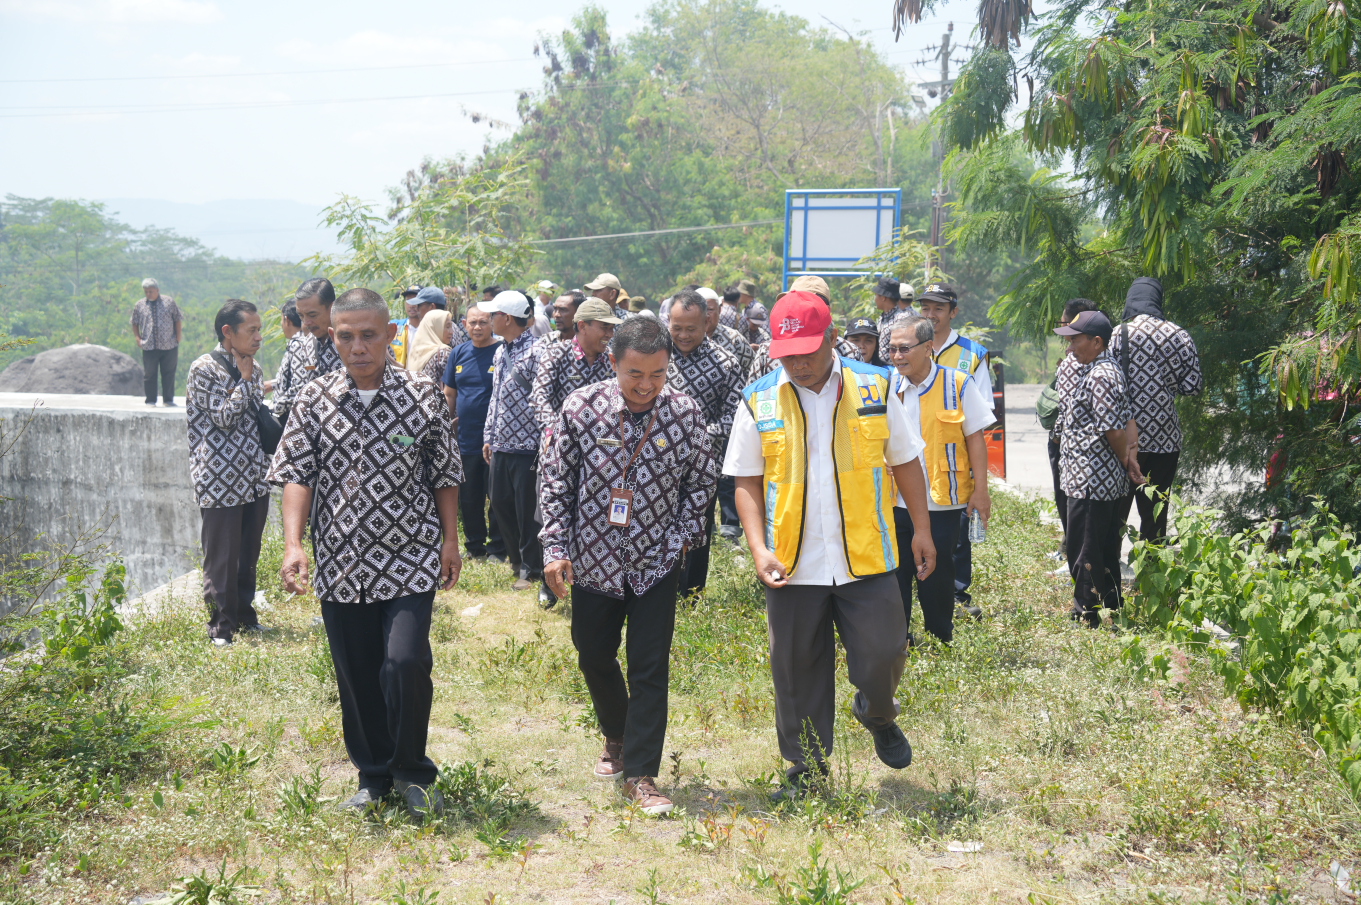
199,100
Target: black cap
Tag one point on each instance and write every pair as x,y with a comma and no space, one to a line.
410,291
1090,323
861,326
939,292
887,287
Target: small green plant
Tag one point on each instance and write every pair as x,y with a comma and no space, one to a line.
499,845
473,794
202,889
321,667
817,884
420,896
300,797
79,623
228,761
649,890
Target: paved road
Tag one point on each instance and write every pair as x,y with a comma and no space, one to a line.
1027,442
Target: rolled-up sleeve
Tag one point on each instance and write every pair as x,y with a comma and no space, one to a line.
743,458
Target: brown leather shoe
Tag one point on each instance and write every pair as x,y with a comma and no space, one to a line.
611,765
521,584
642,791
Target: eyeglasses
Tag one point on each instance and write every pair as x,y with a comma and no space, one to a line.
903,350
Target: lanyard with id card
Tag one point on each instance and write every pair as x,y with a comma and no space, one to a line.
621,498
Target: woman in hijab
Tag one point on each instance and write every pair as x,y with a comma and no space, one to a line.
429,339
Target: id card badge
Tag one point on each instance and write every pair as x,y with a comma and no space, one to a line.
621,507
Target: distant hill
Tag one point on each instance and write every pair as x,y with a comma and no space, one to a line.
250,230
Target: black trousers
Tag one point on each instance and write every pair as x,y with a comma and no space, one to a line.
481,533
727,506
937,592
1094,536
634,711
1060,498
514,501
695,571
963,558
165,361
1161,471
381,650
231,548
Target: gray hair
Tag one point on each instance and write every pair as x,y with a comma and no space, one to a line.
149,282
687,299
360,300
644,335
923,331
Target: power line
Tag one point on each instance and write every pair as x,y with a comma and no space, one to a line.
658,232
248,75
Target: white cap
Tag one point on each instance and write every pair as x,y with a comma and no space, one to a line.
545,285
508,302
708,294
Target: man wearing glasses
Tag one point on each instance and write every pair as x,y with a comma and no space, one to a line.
953,416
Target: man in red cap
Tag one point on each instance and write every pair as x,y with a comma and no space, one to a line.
812,451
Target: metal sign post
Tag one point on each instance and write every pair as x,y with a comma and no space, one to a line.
828,230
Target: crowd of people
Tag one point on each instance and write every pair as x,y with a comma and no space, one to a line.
594,446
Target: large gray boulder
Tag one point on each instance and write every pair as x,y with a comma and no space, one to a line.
82,368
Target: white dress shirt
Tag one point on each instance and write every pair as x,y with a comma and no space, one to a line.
977,415
982,374
822,559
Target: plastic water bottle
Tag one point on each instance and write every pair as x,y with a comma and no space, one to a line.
977,533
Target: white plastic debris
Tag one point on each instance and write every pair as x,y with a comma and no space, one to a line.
1342,878
964,847
472,612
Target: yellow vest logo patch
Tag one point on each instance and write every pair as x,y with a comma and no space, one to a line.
869,395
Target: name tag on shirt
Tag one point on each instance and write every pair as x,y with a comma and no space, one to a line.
771,425
611,442
401,440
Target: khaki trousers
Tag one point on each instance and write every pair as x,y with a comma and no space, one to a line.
868,615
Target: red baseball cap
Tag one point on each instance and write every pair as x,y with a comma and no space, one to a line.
797,324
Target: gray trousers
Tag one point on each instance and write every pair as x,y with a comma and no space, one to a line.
868,615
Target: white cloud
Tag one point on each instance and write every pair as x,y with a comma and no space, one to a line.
141,12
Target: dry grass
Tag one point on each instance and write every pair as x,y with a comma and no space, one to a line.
1082,782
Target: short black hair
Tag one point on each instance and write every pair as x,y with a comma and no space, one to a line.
290,311
1074,307
692,287
231,314
522,321
319,287
359,299
644,335
731,294
577,295
687,299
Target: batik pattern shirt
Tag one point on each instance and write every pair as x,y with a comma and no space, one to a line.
511,426
709,375
762,364
305,359
155,322
673,480
226,462
434,368
885,324
1088,467
373,472
728,316
562,369
731,341
1163,364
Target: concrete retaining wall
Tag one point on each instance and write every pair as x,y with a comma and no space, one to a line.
82,461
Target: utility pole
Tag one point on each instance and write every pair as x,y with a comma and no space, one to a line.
941,88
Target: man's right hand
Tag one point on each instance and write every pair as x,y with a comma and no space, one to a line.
769,569
245,364
486,453
294,571
558,575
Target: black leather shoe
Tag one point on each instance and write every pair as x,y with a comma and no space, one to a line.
422,802
892,746
361,801
547,600
798,784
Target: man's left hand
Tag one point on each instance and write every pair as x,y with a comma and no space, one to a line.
450,564
923,554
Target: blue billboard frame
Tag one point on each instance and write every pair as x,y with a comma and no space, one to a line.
797,199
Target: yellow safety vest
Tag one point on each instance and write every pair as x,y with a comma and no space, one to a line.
864,483
399,342
963,355
947,459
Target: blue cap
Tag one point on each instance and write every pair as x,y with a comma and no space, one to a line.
431,295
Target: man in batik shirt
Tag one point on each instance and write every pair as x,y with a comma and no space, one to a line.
1161,364
709,375
1093,466
370,454
511,437
627,480
735,344
311,353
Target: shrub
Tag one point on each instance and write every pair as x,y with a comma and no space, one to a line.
1293,613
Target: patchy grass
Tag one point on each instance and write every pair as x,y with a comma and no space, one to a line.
1045,771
